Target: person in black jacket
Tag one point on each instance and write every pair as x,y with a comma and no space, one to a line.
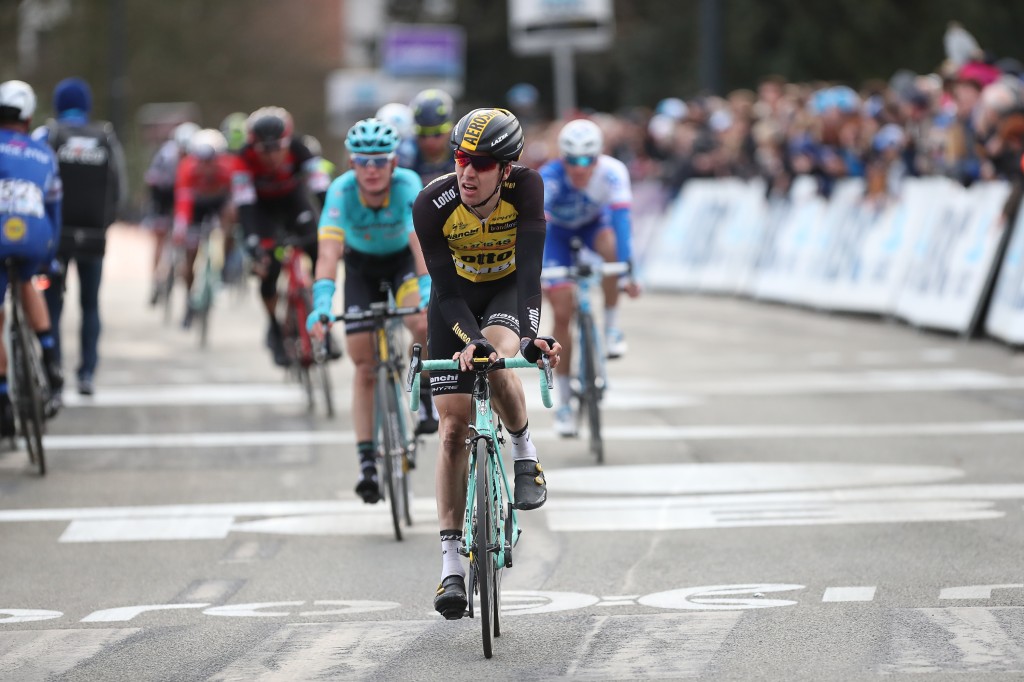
93,173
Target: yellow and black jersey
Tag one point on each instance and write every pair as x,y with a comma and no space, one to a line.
460,248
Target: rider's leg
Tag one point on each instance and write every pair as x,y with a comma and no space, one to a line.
268,293
360,350
39,320
605,245
560,296
510,403
417,325
7,429
561,300
450,492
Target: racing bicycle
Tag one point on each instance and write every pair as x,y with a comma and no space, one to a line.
591,376
30,389
306,358
392,427
491,527
207,268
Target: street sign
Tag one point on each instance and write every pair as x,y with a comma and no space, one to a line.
538,26
433,50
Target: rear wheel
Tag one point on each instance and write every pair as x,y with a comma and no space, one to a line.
170,265
485,538
391,450
325,385
29,395
590,391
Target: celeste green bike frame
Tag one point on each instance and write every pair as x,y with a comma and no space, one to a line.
487,428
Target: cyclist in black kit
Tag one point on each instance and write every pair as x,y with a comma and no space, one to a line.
482,231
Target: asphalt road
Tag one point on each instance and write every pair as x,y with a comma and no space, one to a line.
787,495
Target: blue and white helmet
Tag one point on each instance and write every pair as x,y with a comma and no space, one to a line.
371,136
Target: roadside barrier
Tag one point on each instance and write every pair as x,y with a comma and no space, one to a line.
938,256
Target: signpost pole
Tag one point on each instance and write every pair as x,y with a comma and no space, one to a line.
565,79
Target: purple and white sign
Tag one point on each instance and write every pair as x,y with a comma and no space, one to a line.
418,50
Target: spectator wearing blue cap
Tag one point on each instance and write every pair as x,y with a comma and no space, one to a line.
93,173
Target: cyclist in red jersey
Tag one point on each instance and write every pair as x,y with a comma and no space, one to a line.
202,188
279,187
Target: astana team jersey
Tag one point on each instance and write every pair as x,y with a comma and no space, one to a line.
567,207
375,231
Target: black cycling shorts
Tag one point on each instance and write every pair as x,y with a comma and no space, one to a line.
492,303
364,274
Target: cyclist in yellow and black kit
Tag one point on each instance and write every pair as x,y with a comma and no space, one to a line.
482,231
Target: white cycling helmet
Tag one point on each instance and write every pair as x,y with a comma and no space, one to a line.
207,143
19,96
183,133
400,117
580,138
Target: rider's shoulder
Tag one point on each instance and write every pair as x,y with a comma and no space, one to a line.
610,165
523,179
406,178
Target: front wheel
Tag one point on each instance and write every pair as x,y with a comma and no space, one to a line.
485,539
590,390
391,448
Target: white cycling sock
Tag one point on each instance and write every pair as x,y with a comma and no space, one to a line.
611,318
522,446
563,384
451,561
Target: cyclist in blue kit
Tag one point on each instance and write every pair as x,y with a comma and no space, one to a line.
367,223
587,194
30,219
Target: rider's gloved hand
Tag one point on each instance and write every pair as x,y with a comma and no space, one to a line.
425,284
323,296
531,352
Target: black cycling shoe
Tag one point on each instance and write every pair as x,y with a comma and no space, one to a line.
450,600
368,486
7,429
531,488
276,345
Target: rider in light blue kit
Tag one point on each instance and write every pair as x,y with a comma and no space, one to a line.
30,203
367,223
587,194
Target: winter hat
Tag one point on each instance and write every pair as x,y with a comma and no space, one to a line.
72,93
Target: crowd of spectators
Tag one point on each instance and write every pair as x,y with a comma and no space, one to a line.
964,121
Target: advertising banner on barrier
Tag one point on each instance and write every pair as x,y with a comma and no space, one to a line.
780,269
737,239
683,246
953,257
1005,318
927,256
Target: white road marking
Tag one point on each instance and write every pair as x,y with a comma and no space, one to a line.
625,393
313,651
653,432
963,639
844,594
720,597
975,591
127,530
631,647
881,494
47,654
675,479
